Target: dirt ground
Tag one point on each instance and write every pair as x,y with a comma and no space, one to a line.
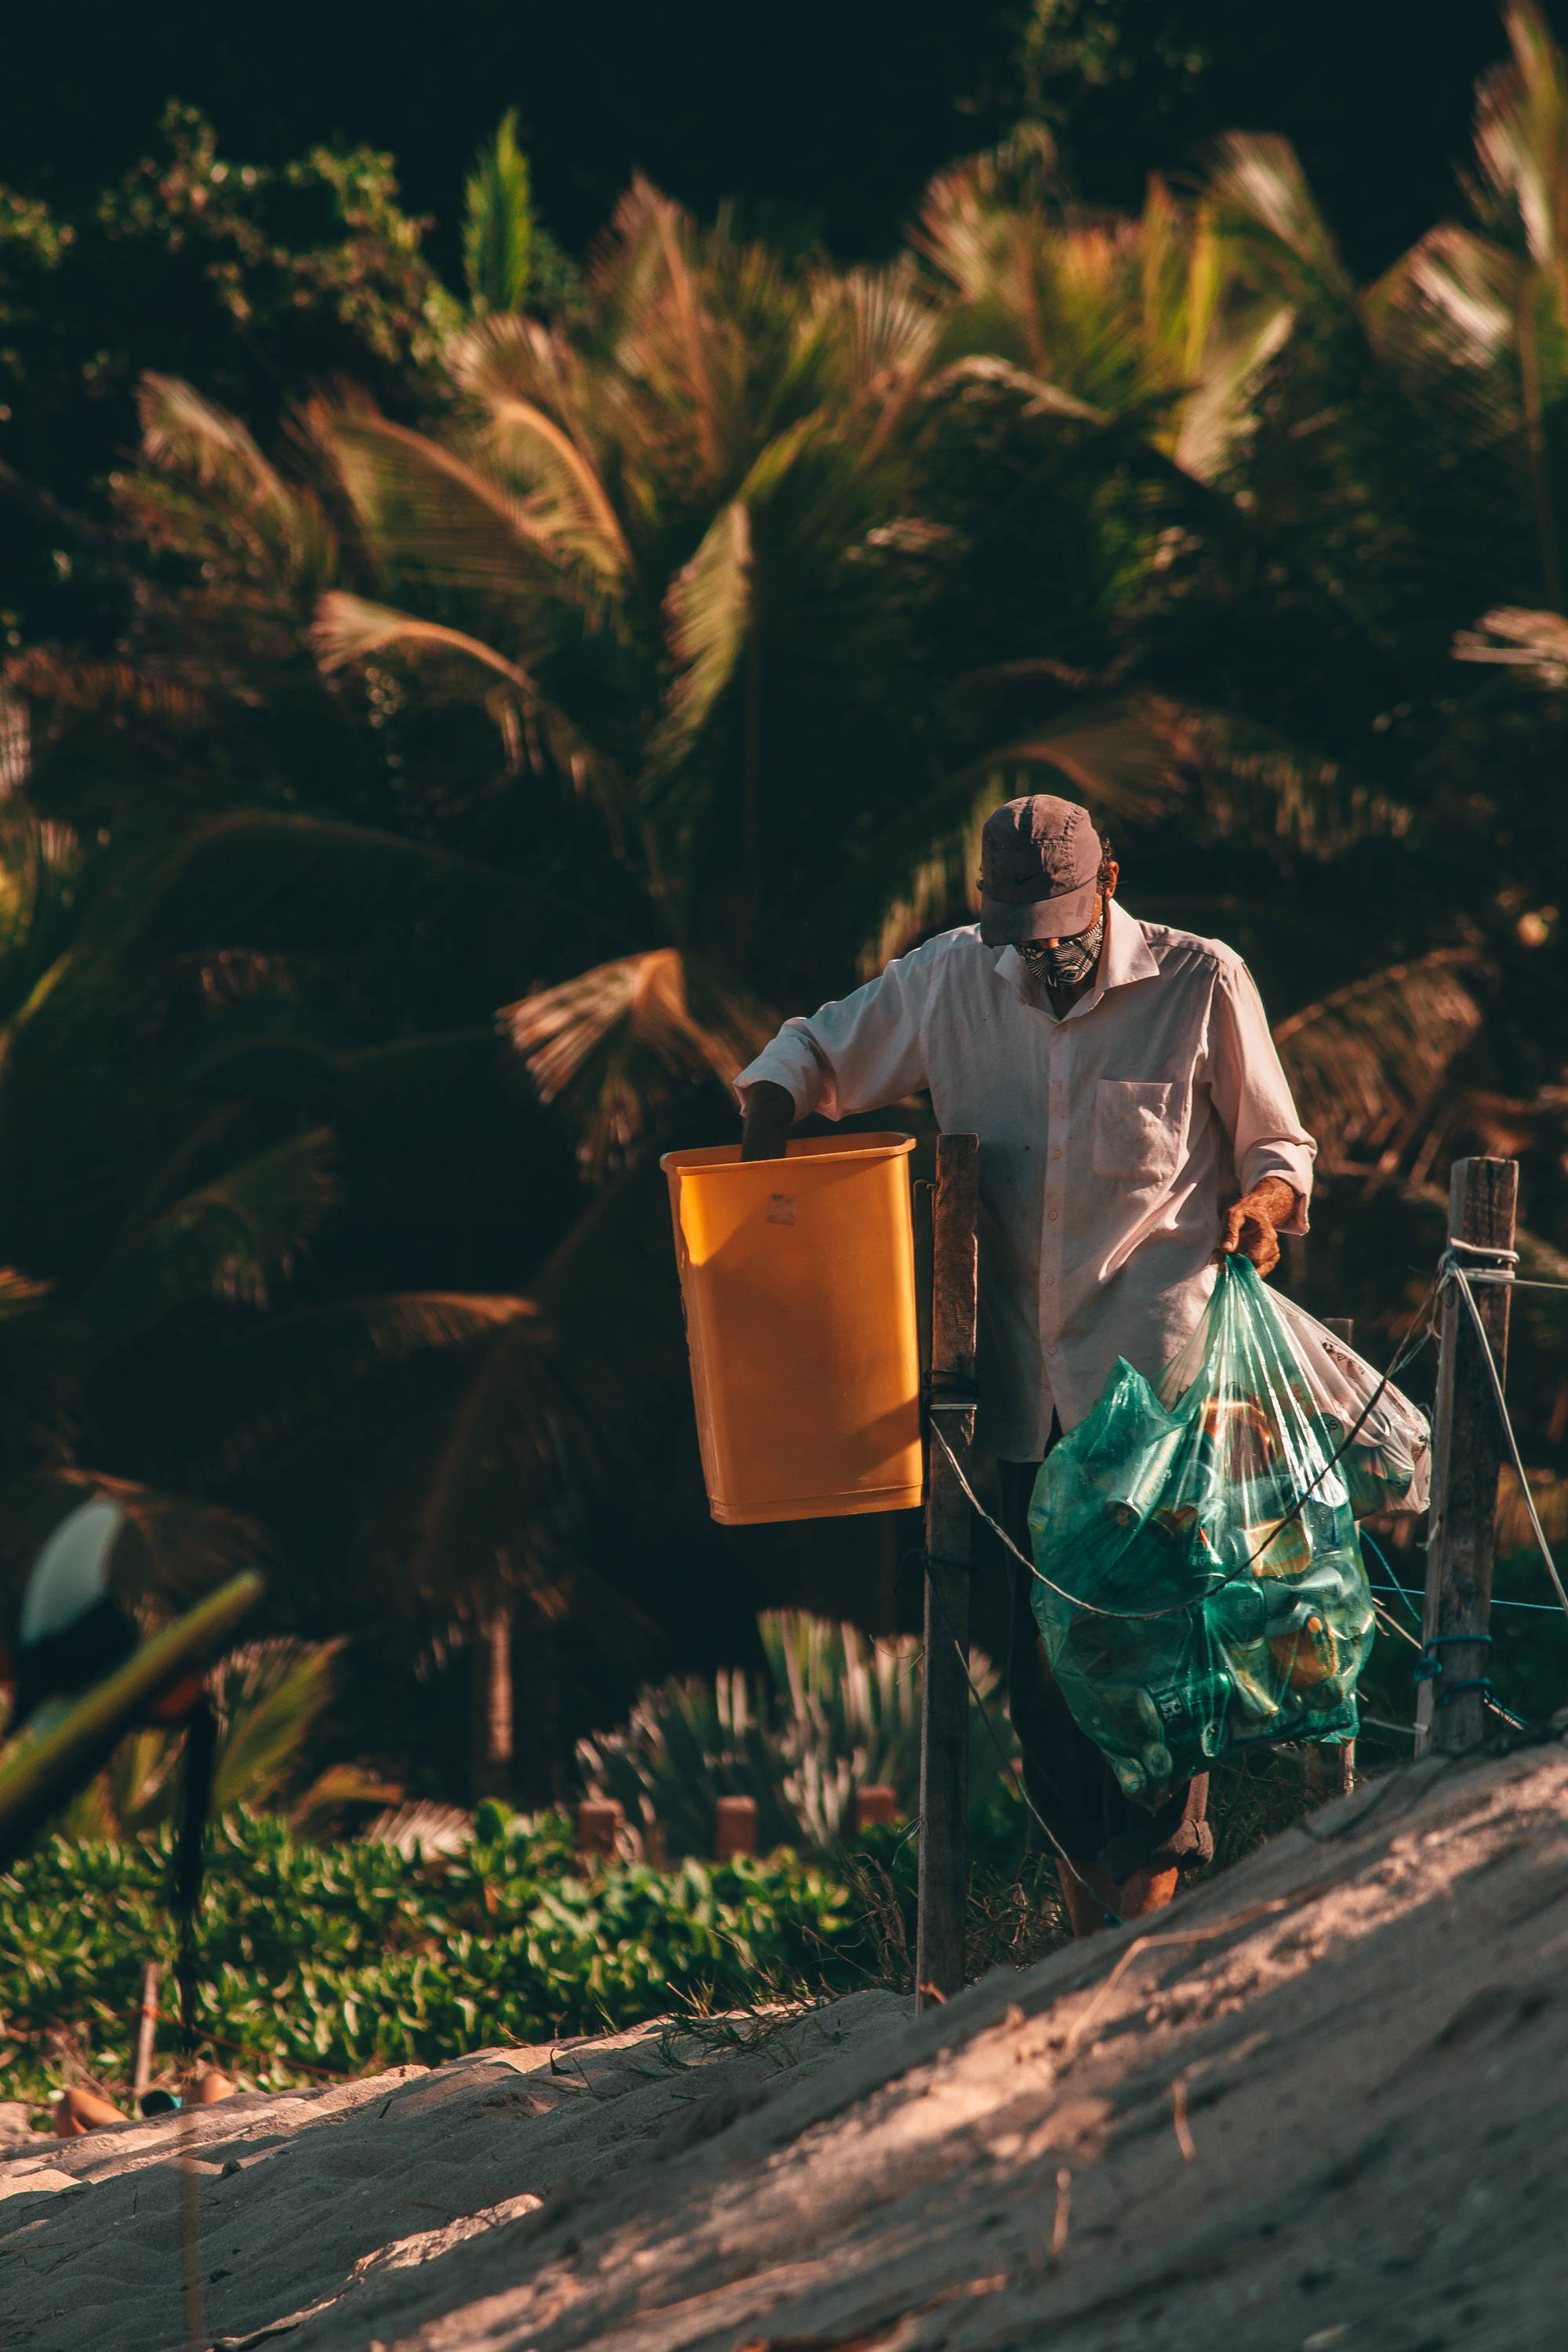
1321,2108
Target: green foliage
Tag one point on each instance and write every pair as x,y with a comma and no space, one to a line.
498,235
836,1712
271,1698
641,655
354,1958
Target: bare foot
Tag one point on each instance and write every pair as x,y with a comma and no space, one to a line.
77,2111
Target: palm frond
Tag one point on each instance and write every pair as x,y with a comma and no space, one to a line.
498,228
231,1239
255,1395
1259,787
170,1550
1537,642
617,1045
707,616
922,871
261,878
585,1393
184,432
269,1698
1521,135
1266,212
1365,1063
1452,299
525,375
350,629
427,509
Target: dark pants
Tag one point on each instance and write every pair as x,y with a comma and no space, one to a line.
1068,1781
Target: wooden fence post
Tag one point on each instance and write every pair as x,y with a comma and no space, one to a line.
1468,1447
875,1803
600,1821
735,1827
146,2031
944,1698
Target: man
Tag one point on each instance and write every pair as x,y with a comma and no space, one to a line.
1103,1062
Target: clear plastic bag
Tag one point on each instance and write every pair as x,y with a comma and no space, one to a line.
1201,1587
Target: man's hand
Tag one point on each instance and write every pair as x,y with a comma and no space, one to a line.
766,1120
1249,1224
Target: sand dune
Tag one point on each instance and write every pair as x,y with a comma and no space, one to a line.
1320,2109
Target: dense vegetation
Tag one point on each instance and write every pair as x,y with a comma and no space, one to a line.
633,641
322,1962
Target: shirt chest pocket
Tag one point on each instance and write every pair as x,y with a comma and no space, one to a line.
1138,1127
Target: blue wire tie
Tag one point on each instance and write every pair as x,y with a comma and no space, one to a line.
1452,1690
1427,1668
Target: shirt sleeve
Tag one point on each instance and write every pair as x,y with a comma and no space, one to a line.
1252,1094
857,1053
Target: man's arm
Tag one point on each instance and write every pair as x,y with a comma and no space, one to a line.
767,1118
852,1055
1251,1225
1273,1151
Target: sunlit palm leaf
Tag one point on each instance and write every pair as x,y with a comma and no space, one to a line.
1366,1062
1522,136
205,489
350,629
529,381
1266,213
1537,642
707,612
428,508
616,1046
183,431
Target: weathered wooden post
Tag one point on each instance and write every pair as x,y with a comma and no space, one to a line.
875,1803
735,1828
146,2033
1468,1449
600,1823
944,1703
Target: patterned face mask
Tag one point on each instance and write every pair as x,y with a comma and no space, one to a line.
1069,960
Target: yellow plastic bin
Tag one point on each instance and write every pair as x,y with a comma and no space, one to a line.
799,1285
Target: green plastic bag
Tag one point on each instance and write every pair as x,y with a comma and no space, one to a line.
1215,1517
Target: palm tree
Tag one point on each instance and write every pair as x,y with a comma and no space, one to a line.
686,646
157,1216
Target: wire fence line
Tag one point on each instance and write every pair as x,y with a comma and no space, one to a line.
1499,1270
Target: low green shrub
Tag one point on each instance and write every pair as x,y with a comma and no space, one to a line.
352,1957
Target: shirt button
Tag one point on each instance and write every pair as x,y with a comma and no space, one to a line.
1056,1151
1050,1281
1052,1215
1051,1352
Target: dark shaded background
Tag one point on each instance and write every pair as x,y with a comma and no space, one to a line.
829,114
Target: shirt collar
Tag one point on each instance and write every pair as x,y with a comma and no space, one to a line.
1127,957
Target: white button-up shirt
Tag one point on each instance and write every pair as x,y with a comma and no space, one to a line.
1099,1141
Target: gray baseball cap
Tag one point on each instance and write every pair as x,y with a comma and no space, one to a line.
1039,862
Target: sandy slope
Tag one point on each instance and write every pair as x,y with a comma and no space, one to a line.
1323,2108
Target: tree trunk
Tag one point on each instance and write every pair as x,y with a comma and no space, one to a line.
492,1703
